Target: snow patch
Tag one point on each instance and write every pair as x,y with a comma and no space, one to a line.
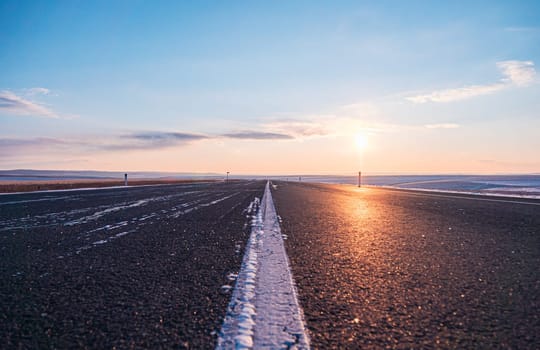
237,330
479,195
121,234
197,207
44,199
101,213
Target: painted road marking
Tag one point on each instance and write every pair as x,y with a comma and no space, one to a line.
264,312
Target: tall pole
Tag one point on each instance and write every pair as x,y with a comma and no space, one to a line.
125,180
359,179
227,180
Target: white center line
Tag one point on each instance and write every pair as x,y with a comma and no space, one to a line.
264,312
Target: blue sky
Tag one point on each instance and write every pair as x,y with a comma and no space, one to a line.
270,87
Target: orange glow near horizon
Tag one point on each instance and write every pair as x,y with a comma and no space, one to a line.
347,147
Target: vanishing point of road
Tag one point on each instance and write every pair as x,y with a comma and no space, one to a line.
155,266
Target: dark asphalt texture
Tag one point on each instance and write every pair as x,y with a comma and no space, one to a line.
151,279
379,268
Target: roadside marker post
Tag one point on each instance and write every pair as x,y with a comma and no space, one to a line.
125,180
359,179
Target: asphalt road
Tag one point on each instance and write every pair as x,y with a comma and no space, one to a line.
153,267
396,269
140,267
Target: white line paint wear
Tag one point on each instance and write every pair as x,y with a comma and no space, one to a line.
264,312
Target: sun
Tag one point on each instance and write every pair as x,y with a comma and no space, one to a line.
361,141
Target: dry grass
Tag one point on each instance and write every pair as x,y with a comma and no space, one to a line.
30,186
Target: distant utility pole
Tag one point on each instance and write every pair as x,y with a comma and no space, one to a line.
359,179
125,180
227,179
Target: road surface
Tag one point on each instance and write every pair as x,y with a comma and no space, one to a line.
155,267
140,267
399,269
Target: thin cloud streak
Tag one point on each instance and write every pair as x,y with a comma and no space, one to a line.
451,95
38,141
297,129
152,140
16,105
257,135
156,135
516,73
147,140
11,147
38,91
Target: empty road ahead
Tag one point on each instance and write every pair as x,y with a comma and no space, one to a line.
155,267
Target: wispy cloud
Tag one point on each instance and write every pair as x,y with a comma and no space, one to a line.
257,135
150,140
520,73
38,91
298,128
38,141
158,136
515,73
343,121
143,140
457,94
13,147
16,105
442,126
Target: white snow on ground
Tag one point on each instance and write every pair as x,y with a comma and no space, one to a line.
125,205
516,186
516,189
237,330
101,241
197,207
264,312
253,205
87,236
481,194
101,213
45,199
67,217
